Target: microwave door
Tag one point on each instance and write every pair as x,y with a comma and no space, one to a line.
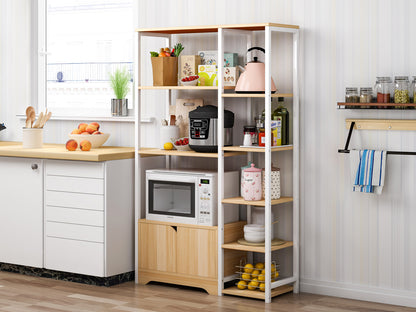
171,198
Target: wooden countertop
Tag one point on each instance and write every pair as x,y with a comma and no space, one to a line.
58,151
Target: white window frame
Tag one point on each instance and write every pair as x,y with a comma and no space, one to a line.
39,61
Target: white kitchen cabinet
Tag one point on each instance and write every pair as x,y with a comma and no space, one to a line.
89,217
21,211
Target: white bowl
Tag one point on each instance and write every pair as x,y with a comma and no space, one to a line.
254,233
189,83
96,139
181,147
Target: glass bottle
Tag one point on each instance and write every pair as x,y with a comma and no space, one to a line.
366,96
401,90
382,90
284,114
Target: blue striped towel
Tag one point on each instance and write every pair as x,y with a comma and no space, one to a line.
368,169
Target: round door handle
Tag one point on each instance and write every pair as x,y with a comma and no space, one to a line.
34,166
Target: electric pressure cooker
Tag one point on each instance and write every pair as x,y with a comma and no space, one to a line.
203,130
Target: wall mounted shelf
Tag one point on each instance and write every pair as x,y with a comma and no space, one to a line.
398,106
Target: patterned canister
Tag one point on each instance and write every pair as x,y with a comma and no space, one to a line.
242,177
274,183
252,183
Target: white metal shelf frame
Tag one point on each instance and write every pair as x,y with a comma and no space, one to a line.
295,209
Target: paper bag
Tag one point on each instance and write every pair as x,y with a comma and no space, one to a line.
165,71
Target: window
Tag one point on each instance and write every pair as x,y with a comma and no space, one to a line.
85,40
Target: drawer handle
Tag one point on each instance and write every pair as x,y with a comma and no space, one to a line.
174,227
34,166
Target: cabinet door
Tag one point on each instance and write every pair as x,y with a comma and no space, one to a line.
157,247
197,252
21,230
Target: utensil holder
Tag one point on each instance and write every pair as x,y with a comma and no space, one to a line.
32,137
167,134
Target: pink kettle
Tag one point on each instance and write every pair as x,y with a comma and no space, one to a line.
252,78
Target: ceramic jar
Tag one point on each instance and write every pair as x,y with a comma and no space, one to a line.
252,189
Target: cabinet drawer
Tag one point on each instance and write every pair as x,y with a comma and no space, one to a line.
75,231
74,200
75,169
74,216
74,256
72,184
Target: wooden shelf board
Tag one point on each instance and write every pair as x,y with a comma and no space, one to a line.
382,124
261,203
199,88
146,151
375,105
262,249
257,149
255,293
255,95
212,28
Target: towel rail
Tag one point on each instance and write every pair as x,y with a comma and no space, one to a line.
352,126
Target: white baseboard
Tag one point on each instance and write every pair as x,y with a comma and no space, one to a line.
357,292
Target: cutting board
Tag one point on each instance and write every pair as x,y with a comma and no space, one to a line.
182,108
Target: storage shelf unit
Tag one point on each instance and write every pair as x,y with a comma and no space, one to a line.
257,149
195,88
262,249
261,203
272,288
159,152
255,95
255,293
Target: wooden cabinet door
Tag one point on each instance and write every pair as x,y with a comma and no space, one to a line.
197,252
157,247
21,210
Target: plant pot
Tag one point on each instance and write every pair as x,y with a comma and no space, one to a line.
119,107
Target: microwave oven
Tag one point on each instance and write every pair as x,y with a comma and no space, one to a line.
189,196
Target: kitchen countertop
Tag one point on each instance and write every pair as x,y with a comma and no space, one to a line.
58,151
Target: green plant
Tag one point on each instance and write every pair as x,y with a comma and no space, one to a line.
120,82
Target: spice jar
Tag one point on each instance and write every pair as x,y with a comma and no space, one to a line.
351,95
252,132
401,89
252,189
382,89
413,89
366,95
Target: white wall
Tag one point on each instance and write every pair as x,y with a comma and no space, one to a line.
353,245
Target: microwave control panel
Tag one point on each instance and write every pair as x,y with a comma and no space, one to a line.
206,202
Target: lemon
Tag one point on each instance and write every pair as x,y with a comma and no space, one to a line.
246,276
253,284
168,146
262,287
259,266
273,268
276,274
242,285
261,277
255,273
248,268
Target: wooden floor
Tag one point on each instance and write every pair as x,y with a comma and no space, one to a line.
20,293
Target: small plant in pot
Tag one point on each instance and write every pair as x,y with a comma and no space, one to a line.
120,83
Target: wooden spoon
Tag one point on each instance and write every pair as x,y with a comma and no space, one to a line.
46,117
29,111
32,118
37,123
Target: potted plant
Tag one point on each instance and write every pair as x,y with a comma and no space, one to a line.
120,84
